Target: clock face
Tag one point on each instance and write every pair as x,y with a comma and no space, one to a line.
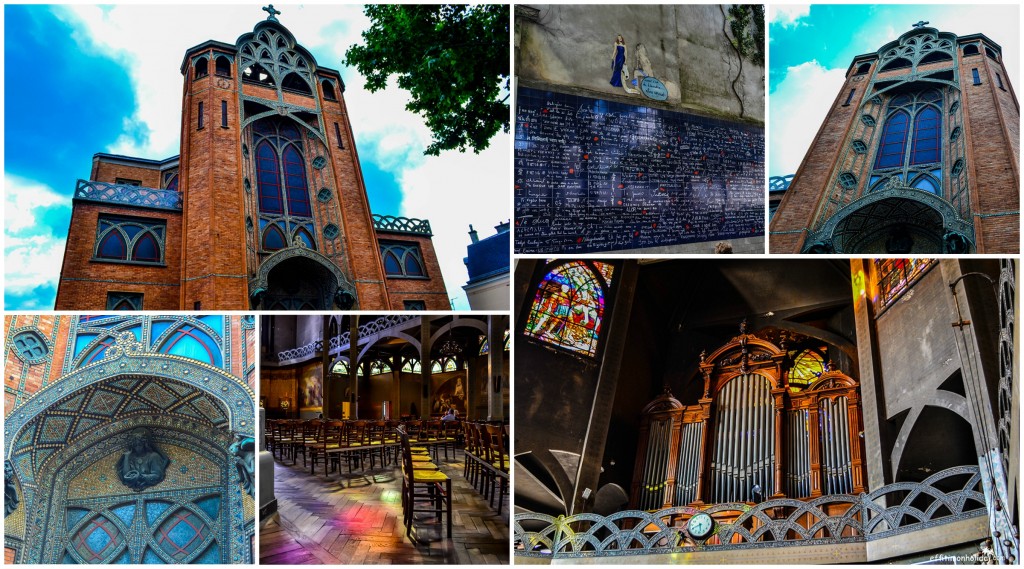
700,526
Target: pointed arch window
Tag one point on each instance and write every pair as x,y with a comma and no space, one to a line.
282,186
133,240
926,148
893,145
568,306
268,179
402,259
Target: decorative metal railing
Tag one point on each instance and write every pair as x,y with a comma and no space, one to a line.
774,523
401,224
379,325
137,196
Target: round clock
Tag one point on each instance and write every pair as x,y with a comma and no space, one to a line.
700,526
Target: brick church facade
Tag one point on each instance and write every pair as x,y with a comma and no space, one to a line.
918,154
264,208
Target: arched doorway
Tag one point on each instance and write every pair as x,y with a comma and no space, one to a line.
300,279
134,459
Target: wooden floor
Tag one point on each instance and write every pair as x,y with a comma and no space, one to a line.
357,519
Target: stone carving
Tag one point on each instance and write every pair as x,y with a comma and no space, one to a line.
142,465
243,453
10,490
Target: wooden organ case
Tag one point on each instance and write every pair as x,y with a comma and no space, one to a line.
751,436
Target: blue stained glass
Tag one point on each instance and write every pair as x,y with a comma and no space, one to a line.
412,266
82,341
137,330
159,327
113,246
211,506
131,230
304,236
269,184
154,509
68,559
191,342
273,239
75,515
125,558
216,323
126,513
146,249
894,138
391,265
926,137
926,185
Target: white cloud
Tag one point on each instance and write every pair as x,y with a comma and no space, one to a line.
787,16
386,133
32,253
452,191
798,106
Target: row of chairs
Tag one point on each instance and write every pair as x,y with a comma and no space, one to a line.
487,463
425,489
329,442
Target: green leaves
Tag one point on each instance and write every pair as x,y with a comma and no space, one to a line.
453,60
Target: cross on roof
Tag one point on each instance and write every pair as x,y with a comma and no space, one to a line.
919,24
270,10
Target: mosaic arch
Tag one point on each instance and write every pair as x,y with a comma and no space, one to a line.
65,444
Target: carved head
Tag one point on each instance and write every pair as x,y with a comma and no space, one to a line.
138,440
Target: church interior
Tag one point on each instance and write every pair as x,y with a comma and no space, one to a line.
386,439
830,411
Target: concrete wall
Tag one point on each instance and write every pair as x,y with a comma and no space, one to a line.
689,48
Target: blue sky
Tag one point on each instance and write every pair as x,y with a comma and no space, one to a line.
811,46
112,84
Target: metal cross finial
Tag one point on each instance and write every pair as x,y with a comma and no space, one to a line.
273,13
921,24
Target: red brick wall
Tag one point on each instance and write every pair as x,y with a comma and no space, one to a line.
107,172
22,379
84,283
360,237
992,125
213,264
431,290
803,198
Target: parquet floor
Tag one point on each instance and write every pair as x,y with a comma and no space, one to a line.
357,519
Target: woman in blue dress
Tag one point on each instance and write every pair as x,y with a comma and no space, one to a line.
618,60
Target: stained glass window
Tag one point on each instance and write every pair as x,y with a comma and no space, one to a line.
135,240
412,365
402,259
98,541
190,341
378,367
808,366
267,179
896,275
569,304
926,137
340,367
124,300
182,534
894,141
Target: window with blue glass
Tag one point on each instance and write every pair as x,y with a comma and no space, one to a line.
910,146
193,342
282,185
134,240
977,77
402,259
30,346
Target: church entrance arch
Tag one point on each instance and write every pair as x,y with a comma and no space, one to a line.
896,221
137,458
300,279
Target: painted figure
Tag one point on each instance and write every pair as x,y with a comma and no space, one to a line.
643,65
143,465
618,60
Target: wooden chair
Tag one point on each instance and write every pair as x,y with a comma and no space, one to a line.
423,486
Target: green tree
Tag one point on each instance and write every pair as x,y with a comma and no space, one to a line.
453,60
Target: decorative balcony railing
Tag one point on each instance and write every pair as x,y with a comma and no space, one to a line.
137,196
770,524
394,224
336,343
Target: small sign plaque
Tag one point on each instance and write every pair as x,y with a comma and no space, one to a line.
654,89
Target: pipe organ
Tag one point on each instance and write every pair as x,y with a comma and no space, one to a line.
753,435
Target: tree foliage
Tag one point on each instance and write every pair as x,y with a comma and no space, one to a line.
453,60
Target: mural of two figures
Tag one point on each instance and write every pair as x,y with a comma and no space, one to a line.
643,77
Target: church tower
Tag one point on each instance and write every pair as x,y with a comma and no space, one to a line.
263,117
265,208
918,154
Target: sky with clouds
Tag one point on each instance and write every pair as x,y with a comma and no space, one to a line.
811,46
112,84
